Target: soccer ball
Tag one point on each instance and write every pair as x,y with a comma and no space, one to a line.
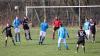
16,7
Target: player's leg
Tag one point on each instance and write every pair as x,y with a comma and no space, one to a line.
25,33
18,34
29,34
40,38
15,35
65,44
87,34
93,35
12,39
83,46
6,41
59,42
54,30
77,46
43,37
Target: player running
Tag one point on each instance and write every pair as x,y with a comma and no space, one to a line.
43,28
8,33
26,28
62,34
56,25
93,28
81,39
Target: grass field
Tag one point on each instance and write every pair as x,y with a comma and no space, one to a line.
31,48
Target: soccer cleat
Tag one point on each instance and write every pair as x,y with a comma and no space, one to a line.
67,48
59,48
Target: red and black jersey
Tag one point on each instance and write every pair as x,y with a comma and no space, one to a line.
57,23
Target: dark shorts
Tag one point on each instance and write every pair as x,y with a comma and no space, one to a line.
93,31
56,28
25,27
82,42
8,35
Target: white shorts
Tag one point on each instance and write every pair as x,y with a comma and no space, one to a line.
87,32
42,33
62,40
17,30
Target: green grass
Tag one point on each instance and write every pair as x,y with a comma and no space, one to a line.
31,48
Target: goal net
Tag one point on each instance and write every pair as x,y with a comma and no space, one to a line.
70,15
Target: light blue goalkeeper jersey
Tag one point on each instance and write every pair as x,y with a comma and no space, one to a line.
86,26
62,32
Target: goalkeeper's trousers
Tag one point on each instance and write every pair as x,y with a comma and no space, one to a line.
17,37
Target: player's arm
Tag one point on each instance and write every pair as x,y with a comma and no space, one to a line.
67,33
58,32
53,23
78,34
47,26
85,35
3,30
12,26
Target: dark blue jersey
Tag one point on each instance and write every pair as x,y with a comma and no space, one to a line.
92,26
25,24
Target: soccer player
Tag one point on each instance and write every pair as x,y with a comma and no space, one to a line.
8,33
93,28
26,28
86,27
81,38
56,25
16,24
62,34
43,28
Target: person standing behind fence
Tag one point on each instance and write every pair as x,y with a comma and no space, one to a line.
43,28
26,28
56,25
16,24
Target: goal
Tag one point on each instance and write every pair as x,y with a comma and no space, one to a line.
73,15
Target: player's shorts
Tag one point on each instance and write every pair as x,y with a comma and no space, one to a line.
42,33
25,27
17,30
93,31
56,28
9,35
82,42
87,32
62,40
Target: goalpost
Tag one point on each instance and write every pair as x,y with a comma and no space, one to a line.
44,7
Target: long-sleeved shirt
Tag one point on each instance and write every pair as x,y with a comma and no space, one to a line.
44,26
62,32
16,23
7,29
86,26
